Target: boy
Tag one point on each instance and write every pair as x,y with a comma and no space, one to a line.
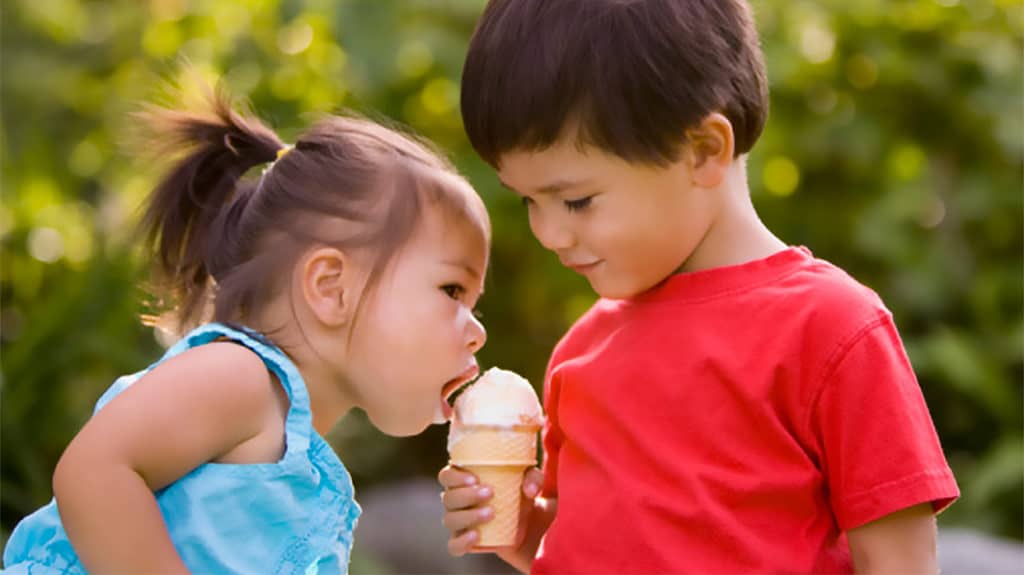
731,404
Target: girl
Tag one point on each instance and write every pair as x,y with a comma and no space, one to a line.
345,276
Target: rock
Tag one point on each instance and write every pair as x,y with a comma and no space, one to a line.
400,532
968,552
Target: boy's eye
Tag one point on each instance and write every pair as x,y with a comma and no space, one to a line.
454,291
478,314
577,205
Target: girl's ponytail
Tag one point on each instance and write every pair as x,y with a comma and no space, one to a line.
194,198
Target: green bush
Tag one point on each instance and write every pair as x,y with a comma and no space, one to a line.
894,149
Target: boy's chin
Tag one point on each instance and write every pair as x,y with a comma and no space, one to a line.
614,292
620,289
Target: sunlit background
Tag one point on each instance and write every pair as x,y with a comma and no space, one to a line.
894,149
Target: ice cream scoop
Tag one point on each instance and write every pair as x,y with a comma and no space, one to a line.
499,397
493,434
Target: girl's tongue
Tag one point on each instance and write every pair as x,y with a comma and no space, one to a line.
444,407
444,412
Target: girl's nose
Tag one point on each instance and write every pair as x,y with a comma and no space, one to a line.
476,333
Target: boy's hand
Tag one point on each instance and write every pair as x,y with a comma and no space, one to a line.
465,504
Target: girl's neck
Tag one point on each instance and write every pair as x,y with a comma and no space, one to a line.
328,403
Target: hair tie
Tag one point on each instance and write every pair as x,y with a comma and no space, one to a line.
280,154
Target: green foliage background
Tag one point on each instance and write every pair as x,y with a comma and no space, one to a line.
894,149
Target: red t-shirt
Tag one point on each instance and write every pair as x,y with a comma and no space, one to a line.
733,420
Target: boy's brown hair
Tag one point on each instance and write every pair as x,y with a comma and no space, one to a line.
627,76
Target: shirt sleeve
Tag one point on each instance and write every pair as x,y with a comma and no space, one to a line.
551,435
880,451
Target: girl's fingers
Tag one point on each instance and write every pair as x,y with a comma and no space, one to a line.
450,477
460,545
457,521
465,497
463,500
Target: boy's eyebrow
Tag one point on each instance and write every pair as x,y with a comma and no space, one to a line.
552,188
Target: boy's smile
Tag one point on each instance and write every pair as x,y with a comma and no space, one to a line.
624,226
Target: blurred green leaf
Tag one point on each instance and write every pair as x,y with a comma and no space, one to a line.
895,149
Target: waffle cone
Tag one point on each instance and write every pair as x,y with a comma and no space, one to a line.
507,483
498,456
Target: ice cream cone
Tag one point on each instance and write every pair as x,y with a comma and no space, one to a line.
498,456
494,436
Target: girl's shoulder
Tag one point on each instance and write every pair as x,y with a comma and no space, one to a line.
219,357
236,370
214,402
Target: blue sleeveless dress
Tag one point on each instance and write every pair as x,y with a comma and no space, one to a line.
293,516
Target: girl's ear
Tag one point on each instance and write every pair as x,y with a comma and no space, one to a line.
710,148
328,285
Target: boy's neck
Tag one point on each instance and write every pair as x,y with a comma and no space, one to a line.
737,235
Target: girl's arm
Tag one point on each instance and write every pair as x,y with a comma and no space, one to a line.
194,408
466,507
902,542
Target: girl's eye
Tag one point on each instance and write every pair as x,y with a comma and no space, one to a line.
454,291
526,201
577,205
478,314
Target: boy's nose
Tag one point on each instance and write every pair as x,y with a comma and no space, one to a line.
476,333
550,232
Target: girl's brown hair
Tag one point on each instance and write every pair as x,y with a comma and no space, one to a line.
220,240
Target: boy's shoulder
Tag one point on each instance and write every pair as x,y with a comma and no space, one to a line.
826,302
592,325
830,296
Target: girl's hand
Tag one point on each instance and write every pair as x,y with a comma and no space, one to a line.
465,503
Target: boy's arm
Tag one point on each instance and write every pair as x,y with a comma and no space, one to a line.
901,542
185,412
887,474
541,515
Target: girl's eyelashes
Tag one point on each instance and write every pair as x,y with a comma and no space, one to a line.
458,293
454,291
577,205
526,201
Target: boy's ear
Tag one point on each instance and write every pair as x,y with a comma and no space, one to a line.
327,285
710,148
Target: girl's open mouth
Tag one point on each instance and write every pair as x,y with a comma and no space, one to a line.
451,388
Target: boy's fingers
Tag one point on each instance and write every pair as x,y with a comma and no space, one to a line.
460,545
465,497
456,521
533,482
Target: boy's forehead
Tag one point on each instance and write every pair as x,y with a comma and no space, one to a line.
550,170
